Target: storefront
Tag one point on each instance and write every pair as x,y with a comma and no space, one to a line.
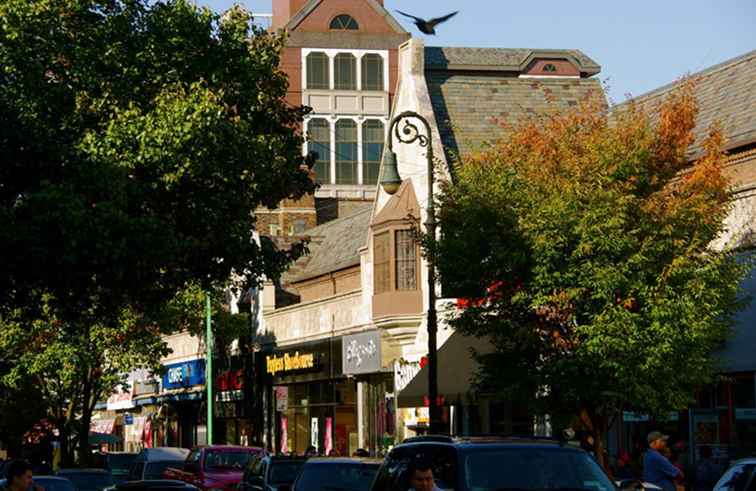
180,421
314,404
232,423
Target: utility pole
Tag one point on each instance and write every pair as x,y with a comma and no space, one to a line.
209,369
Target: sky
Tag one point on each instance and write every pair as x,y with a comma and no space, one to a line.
640,44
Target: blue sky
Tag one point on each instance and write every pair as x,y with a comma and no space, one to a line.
640,44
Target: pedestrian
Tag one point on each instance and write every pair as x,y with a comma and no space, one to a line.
18,475
420,474
624,470
708,471
657,469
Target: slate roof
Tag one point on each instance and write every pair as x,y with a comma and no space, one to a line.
471,106
502,59
726,93
335,245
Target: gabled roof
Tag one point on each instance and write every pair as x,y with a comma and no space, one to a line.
335,245
726,93
502,59
471,107
308,8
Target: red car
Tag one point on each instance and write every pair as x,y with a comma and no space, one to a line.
216,468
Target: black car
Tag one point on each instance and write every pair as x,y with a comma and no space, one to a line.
482,464
48,483
155,485
119,465
270,473
335,473
88,479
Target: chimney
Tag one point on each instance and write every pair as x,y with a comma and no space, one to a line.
284,10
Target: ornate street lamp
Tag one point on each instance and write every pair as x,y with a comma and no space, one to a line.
390,181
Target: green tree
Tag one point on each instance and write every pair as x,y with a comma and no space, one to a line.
137,139
580,247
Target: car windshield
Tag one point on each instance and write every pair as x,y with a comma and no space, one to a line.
89,481
154,470
336,477
284,472
227,460
526,469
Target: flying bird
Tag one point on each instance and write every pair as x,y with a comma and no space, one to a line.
428,26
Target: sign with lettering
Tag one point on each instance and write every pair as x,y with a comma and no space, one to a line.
282,398
185,374
289,362
404,372
361,353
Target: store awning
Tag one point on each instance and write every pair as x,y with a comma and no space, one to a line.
456,368
177,395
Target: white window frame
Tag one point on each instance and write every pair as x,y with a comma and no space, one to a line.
357,53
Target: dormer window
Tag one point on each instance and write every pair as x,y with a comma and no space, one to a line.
549,68
344,22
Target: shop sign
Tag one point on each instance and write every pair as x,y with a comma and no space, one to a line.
120,400
361,353
230,396
186,374
404,372
104,426
744,414
128,419
145,387
290,362
230,380
282,398
631,417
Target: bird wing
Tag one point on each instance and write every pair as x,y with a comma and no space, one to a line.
411,16
439,20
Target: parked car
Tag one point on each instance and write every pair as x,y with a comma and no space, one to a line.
119,465
155,485
152,462
494,463
220,467
270,473
48,483
741,476
335,473
88,479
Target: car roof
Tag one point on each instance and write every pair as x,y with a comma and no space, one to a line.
82,471
343,460
285,458
163,454
479,441
232,448
155,482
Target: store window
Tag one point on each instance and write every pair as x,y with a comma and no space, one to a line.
381,263
406,260
372,150
345,71
372,72
346,152
317,71
319,135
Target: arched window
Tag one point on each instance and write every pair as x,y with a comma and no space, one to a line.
372,72
317,71
344,22
345,72
346,152
319,141
549,68
373,136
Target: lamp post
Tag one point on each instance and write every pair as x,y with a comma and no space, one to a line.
390,181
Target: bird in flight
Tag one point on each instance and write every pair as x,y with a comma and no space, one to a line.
428,26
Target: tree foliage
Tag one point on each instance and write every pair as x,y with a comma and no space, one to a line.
581,246
137,139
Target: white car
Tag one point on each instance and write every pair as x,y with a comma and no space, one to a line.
740,477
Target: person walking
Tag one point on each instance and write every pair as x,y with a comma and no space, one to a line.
19,476
657,469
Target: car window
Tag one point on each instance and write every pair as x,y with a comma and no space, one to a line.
284,472
393,474
344,477
533,469
738,478
227,460
154,470
120,461
136,471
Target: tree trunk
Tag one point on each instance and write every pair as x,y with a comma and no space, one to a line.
85,423
597,425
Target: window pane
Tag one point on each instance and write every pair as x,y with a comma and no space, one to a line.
345,22
317,71
381,261
320,142
372,150
372,72
346,152
406,262
345,72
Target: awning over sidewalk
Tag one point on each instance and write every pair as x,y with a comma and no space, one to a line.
456,368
